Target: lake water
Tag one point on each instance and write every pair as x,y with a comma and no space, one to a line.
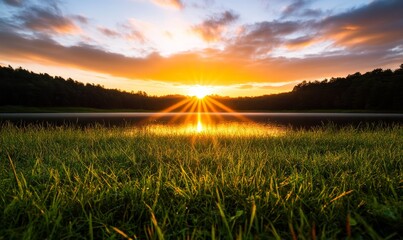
200,120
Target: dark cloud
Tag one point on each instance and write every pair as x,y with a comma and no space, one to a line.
7,25
376,25
15,3
295,7
311,13
300,9
212,28
264,30
47,20
261,38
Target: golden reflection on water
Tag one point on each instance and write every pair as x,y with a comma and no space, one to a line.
199,128
225,129
205,117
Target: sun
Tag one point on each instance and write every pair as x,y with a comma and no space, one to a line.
199,91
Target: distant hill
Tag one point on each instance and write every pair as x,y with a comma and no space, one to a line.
379,90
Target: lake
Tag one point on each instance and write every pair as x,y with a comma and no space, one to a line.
297,120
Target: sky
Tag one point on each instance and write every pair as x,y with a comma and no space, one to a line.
234,47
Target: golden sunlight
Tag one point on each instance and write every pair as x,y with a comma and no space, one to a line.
199,123
200,91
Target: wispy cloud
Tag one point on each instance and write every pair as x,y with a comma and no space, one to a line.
108,32
273,88
295,6
212,28
81,19
300,42
134,30
129,31
203,4
176,4
301,9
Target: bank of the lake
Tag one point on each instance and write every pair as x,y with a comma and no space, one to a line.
326,183
138,119
26,109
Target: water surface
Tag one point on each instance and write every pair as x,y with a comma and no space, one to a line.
202,118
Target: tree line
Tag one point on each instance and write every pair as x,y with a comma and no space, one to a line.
21,87
378,90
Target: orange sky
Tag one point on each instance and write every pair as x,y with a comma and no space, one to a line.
166,46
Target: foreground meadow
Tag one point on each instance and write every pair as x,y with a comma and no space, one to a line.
97,183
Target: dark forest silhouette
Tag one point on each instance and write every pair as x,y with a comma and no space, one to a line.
378,90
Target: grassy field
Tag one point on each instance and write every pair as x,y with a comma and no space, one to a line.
97,183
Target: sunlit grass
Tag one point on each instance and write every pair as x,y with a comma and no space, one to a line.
200,129
156,182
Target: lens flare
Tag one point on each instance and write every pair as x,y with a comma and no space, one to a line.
200,91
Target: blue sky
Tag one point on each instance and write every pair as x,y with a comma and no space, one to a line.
239,48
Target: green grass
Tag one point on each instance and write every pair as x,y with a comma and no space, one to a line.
97,183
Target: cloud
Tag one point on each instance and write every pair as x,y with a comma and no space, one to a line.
14,3
264,88
378,24
259,39
311,13
176,4
136,35
204,4
134,30
187,68
245,86
280,87
373,27
300,42
49,20
108,32
370,37
81,19
128,31
211,29
295,7
300,9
